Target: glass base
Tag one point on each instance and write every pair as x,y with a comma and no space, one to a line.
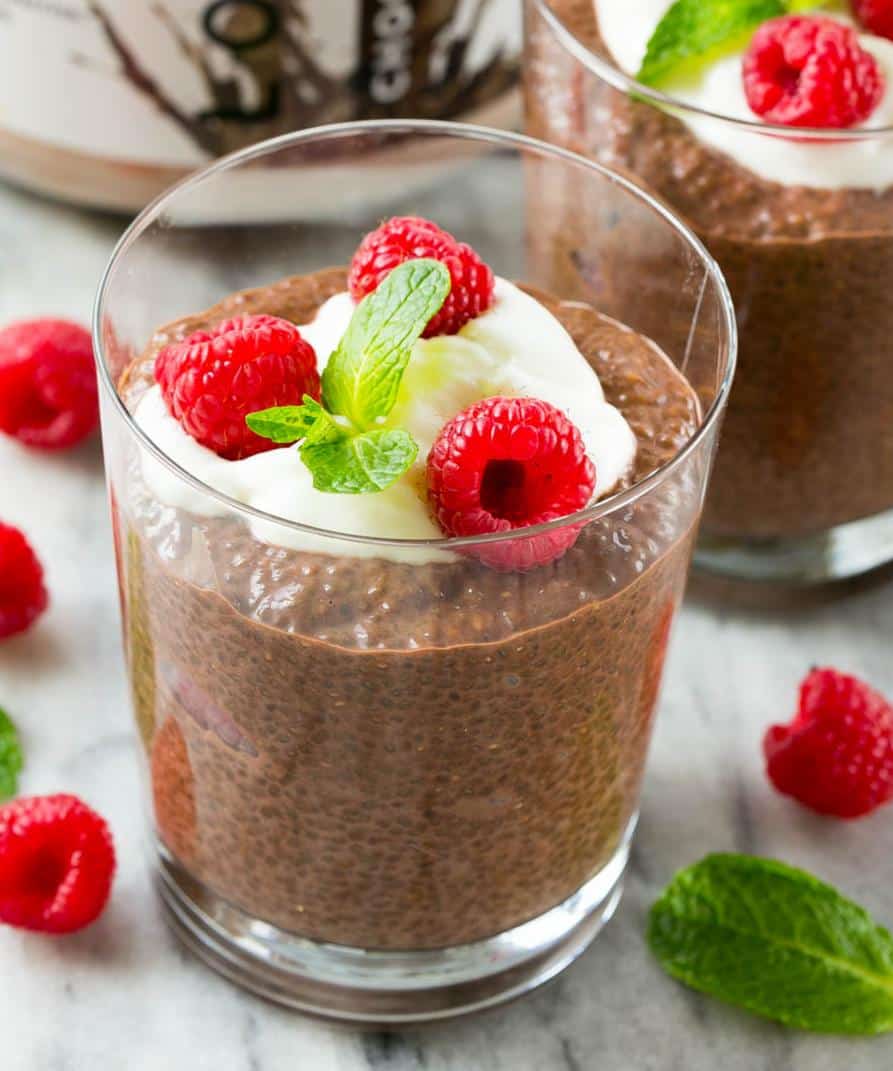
846,551
382,987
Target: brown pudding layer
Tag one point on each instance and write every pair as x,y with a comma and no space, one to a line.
807,441
392,755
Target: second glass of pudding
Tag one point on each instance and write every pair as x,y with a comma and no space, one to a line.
392,774
801,224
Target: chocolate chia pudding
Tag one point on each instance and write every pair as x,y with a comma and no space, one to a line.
806,442
397,755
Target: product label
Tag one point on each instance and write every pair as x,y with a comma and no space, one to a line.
176,82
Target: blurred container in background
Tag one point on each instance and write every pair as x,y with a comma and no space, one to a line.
106,103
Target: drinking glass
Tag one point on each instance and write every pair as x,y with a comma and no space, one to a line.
803,485
386,780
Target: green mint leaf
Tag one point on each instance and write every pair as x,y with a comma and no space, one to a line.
282,423
360,464
776,941
323,428
291,423
794,6
693,33
363,374
11,759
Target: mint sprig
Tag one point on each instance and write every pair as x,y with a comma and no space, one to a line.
11,758
284,423
363,374
776,941
342,441
360,464
693,33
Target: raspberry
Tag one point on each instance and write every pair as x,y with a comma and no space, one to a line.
836,756
875,15
808,71
47,383
410,238
173,790
213,379
653,667
23,597
504,464
57,862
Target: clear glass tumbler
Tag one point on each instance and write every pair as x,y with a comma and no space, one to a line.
803,485
389,782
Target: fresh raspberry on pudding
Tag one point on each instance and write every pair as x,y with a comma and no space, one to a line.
48,393
23,597
410,238
57,862
810,71
213,379
836,756
509,463
875,15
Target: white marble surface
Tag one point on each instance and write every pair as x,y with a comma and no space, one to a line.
122,994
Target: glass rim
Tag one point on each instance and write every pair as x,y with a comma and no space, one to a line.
626,83
465,132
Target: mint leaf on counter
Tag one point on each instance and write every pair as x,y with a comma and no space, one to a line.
694,32
363,375
776,941
360,464
11,758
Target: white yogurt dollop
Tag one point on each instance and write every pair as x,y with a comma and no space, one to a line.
517,347
626,26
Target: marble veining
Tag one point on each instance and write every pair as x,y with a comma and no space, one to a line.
124,995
